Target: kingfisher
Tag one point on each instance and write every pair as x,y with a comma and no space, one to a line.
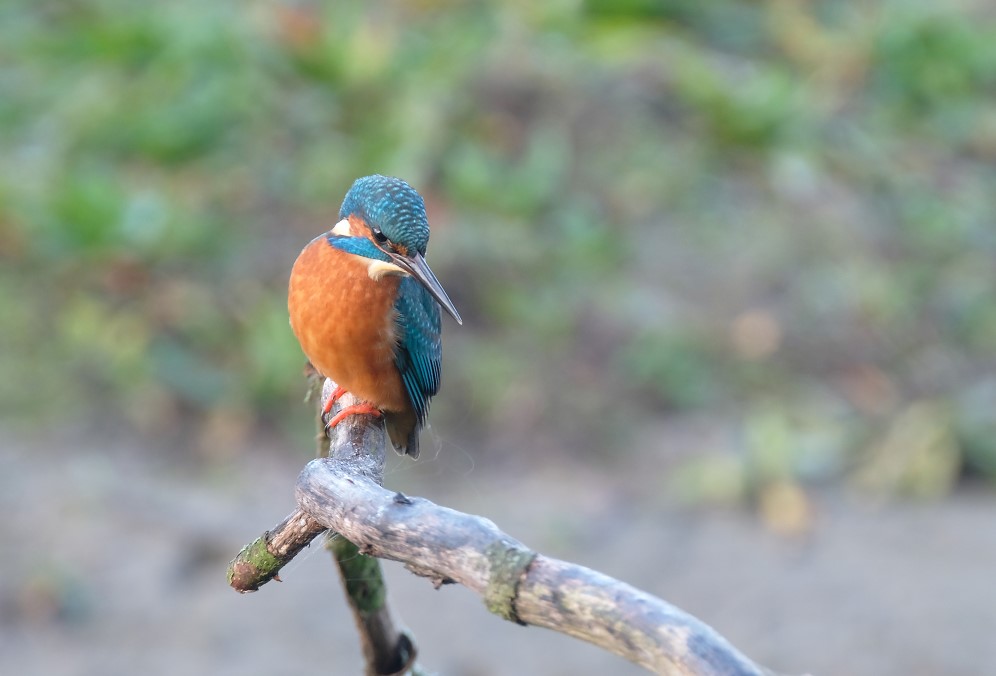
364,306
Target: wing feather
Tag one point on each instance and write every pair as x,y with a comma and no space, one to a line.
419,352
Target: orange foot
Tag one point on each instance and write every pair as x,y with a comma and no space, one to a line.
356,409
336,395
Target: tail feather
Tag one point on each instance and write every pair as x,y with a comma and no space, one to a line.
403,430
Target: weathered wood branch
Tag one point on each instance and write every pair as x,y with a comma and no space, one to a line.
357,443
261,560
386,649
515,582
343,493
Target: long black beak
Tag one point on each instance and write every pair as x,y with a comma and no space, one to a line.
415,265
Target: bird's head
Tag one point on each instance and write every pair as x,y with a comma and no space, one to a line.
391,214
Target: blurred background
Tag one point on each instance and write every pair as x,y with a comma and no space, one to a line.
727,272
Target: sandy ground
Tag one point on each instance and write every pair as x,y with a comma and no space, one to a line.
114,563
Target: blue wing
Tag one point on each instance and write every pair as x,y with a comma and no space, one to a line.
420,350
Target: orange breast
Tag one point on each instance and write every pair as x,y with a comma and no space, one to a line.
345,322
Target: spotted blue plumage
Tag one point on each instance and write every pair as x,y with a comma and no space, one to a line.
393,206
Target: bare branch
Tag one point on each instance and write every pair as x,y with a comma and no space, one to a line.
516,583
357,444
342,493
386,649
261,560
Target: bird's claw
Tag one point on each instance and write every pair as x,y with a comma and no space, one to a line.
356,409
334,397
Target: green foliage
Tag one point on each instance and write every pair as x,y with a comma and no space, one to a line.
680,208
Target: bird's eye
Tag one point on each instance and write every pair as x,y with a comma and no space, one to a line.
379,237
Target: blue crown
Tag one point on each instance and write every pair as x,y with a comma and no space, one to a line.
392,206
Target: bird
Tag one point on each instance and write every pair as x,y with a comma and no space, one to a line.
365,307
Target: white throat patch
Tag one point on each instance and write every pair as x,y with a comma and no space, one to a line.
380,269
